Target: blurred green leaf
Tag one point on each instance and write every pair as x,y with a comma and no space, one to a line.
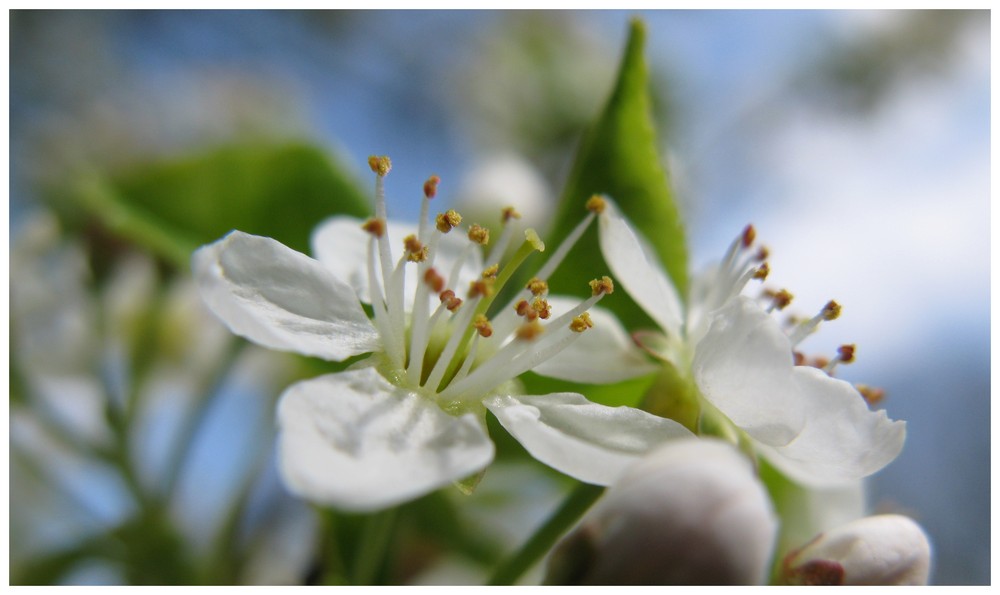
172,207
618,157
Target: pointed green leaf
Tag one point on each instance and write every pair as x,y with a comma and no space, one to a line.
618,157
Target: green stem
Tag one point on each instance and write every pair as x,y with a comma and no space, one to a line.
572,508
372,547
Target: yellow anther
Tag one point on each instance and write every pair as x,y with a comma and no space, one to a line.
481,287
537,287
529,331
431,186
782,298
448,220
831,311
434,280
870,394
380,164
482,326
374,226
449,300
602,285
749,235
581,323
762,271
596,204
509,213
415,250
479,234
541,308
845,353
531,236
491,272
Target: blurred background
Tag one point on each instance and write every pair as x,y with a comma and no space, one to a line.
141,432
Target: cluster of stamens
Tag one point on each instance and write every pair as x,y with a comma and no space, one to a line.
441,352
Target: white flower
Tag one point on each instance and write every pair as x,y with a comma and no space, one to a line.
815,428
887,549
410,418
691,512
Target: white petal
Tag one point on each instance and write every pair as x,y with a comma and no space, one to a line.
591,442
342,246
743,366
842,440
887,549
281,299
600,355
635,266
356,442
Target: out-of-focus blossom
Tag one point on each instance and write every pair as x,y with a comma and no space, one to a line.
742,364
411,418
505,180
690,512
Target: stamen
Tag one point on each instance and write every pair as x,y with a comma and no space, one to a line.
870,394
449,300
481,288
500,247
596,204
779,299
529,331
491,272
380,164
458,338
479,234
831,311
581,323
845,355
482,326
537,287
434,281
762,254
415,250
602,285
523,308
431,187
748,236
382,322
541,308
448,220
374,226
761,272
509,213
798,358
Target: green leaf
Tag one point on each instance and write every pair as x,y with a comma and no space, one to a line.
171,207
618,157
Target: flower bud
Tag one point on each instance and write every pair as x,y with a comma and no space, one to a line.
690,512
887,549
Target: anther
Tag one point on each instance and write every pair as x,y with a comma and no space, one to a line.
602,285
415,250
541,308
820,362
529,331
762,271
434,281
449,300
581,323
431,187
749,235
523,308
479,234
762,254
596,204
537,287
481,287
448,220
380,164
491,272
781,298
846,353
799,358
509,213
870,394
374,226
482,326
831,311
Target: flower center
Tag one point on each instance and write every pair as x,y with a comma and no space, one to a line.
466,346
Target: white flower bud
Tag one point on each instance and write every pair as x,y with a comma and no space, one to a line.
887,549
690,512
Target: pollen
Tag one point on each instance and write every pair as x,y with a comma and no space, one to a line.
448,220
870,394
782,298
449,300
482,326
831,311
529,331
762,271
602,285
431,186
537,287
491,272
481,287
374,226
541,308
479,234
596,204
415,250
509,213
581,323
380,164
845,353
434,280
749,235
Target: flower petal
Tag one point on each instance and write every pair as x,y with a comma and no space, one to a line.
354,441
591,442
280,298
743,366
342,246
843,440
635,266
600,355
